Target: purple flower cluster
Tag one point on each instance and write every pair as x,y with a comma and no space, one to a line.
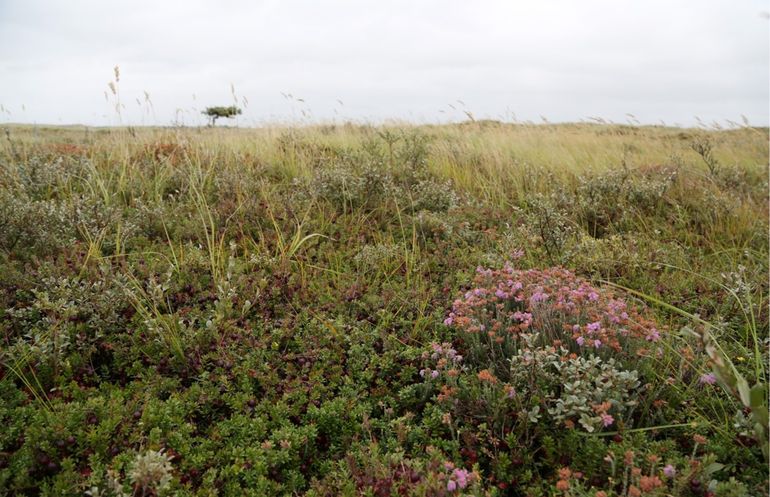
607,420
506,302
458,478
432,373
707,379
443,357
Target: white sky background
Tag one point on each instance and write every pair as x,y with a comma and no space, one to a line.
409,60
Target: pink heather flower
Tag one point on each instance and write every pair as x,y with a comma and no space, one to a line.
669,471
539,296
522,316
597,343
510,392
594,327
501,294
451,485
593,296
422,373
448,321
461,475
434,374
707,379
580,341
607,420
653,335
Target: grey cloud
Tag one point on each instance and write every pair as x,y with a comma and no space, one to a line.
562,59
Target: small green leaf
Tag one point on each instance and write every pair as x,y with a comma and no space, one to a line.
713,468
686,331
743,390
758,395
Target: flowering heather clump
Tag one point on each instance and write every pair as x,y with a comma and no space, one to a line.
458,478
507,302
440,358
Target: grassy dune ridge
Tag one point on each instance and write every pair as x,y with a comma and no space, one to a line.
478,308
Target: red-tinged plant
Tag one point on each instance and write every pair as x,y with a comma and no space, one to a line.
559,306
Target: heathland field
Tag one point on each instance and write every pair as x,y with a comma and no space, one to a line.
470,309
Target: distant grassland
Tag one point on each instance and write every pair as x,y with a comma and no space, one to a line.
494,148
200,311
499,164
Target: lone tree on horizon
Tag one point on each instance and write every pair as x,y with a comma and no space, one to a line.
215,113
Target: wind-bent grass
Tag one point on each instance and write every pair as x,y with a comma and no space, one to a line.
751,393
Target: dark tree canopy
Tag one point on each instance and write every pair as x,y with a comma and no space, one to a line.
215,113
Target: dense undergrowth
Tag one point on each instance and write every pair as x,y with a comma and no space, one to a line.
477,309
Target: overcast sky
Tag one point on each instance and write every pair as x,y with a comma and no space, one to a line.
367,61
